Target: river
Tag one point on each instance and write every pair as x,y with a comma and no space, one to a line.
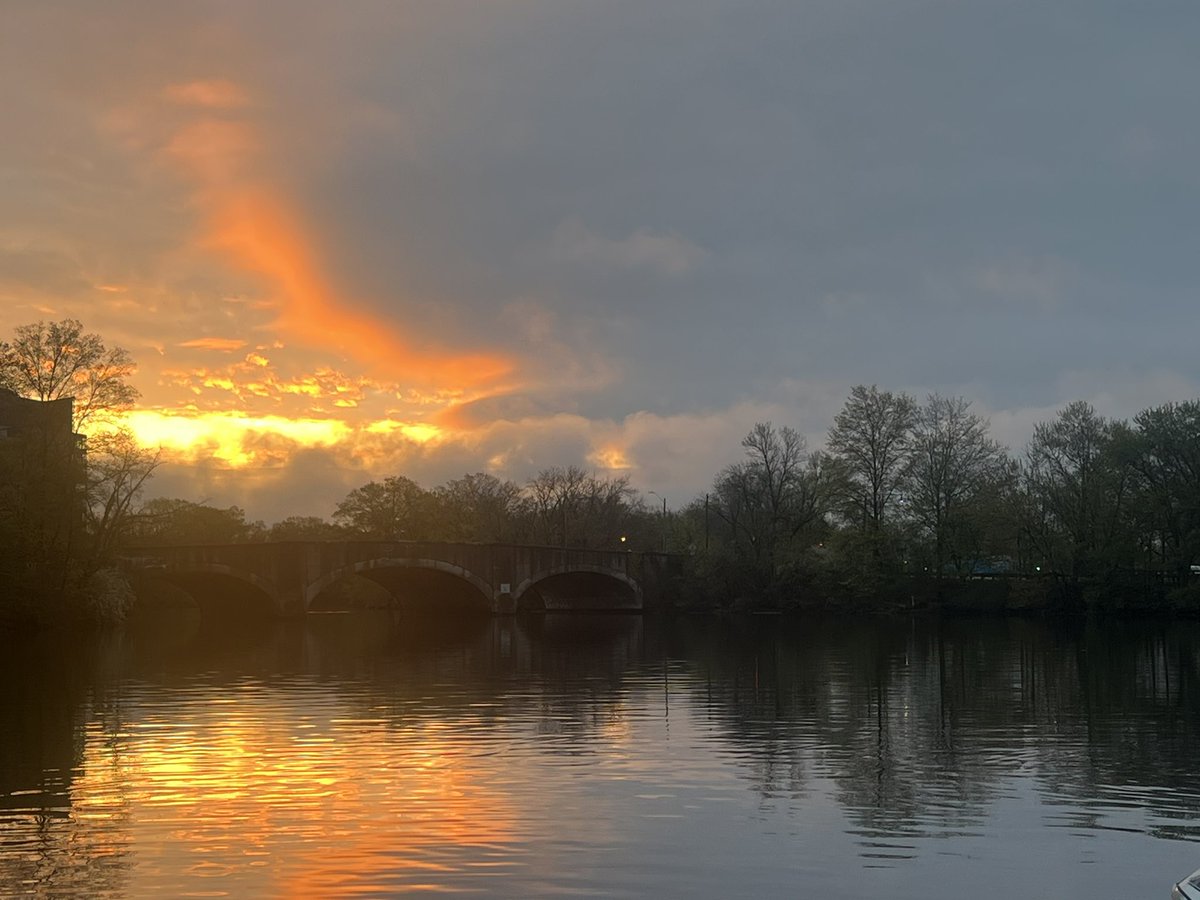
616,756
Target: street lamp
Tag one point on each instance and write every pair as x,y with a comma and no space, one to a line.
663,528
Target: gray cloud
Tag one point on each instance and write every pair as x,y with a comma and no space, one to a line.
667,254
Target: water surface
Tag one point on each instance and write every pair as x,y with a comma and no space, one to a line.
360,755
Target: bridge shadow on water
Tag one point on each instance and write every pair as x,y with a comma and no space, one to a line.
404,589
421,592
360,622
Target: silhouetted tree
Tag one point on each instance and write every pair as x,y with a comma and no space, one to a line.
953,463
117,470
304,528
49,361
1078,490
173,521
768,500
395,509
1166,445
572,508
871,439
478,507
64,505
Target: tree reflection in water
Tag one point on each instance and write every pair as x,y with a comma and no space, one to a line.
384,752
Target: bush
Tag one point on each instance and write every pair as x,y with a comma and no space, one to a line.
107,596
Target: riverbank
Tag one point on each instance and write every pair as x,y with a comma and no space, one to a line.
1131,594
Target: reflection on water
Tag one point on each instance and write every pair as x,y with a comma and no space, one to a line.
607,755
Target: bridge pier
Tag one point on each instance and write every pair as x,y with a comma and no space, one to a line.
504,604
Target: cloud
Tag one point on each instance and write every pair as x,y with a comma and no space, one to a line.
270,493
212,93
663,253
257,381
1039,283
677,455
28,271
224,344
609,235
247,217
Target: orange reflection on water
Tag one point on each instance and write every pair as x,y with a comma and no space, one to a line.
260,795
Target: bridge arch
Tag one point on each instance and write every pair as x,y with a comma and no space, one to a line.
363,567
607,589
194,577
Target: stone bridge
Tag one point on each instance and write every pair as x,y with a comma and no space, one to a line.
294,577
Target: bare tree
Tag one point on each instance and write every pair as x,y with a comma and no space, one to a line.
478,507
605,509
1166,455
770,497
871,440
117,470
1079,486
49,361
571,507
554,494
953,462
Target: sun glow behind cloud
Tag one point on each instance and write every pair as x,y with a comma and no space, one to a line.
230,438
258,362
420,432
252,402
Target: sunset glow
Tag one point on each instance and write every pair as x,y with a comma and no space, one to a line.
421,432
447,241
250,395
231,438
249,221
239,440
610,458
533,449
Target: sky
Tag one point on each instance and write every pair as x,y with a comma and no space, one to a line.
350,240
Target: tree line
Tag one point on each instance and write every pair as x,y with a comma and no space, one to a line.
908,491
903,492
560,506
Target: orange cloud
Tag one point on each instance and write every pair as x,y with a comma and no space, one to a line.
257,230
250,221
256,376
226,344
611,458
